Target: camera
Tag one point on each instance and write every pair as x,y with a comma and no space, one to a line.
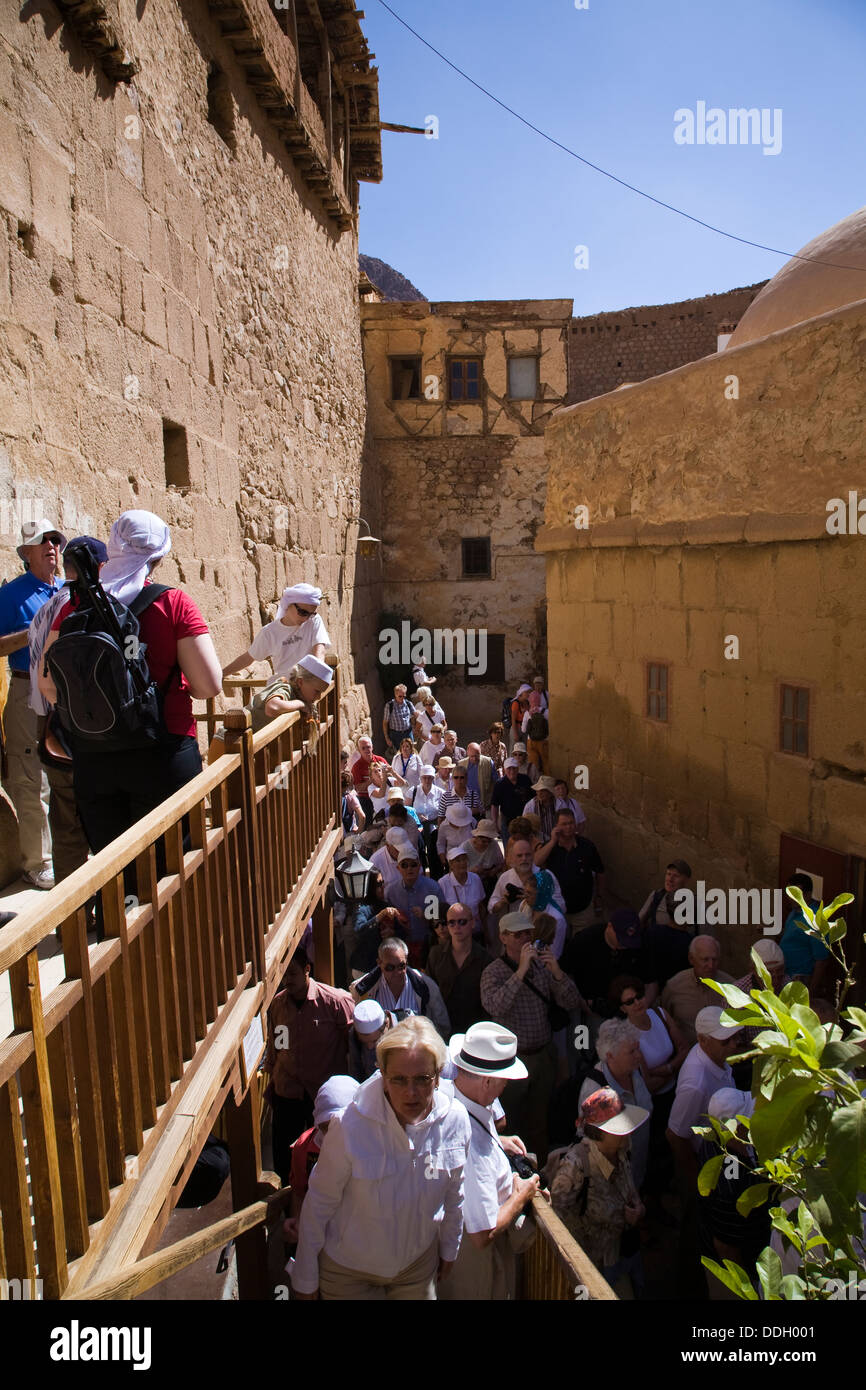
522,1165
512,892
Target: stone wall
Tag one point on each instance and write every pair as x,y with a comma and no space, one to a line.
451,470
708,516
153,272
606,350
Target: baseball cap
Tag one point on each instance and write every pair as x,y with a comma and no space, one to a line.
707,1024
511,762
457,852
727,1102
681,867
519,748
604,1109
515,921
34,533
626,924
408,855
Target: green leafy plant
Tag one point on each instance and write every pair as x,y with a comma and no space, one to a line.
808,1128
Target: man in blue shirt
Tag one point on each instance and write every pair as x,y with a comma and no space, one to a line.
806,957
20,601
414,898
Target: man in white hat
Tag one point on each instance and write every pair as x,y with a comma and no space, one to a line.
485,1057
485,854
704,1072
543,804
455,827
296,631
386,857
369,1024
26,782
460,885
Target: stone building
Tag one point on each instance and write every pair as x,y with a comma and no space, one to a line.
179,325
705,629
458,398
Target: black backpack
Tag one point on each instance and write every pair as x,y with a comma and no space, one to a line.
106,696
537,728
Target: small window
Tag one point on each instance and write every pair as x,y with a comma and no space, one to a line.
220,106
494,674
405,378
476,557
176,455
464,379
523,378
657,691
794,720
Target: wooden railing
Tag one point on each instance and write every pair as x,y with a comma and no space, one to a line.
110,1084
243,687
556,1268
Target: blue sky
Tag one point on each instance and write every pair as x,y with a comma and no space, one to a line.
490,210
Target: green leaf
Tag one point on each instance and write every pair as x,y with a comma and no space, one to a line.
809,1022
842,901
830,1207
709,1174
733,1278
777,1125
761,970
782,1223
793,1287
836,930
855,1015
754,1196
794,992
769,1268
840,1054
796,894
846,1148
731,994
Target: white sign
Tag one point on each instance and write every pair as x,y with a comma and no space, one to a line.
252,1049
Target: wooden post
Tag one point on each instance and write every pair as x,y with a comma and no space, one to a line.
239,739
243,1128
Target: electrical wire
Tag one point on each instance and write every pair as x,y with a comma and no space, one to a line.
670,207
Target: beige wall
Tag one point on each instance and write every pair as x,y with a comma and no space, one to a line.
143,279
708,519
449,470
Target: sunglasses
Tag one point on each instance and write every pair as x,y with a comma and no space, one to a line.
389,969
634,999
53,539
304,612
459,921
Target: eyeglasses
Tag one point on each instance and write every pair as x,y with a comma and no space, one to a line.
53,539
459,921
305,612
634,999
406,1083
388,969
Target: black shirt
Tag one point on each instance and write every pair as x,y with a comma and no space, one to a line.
574,870
594,966
510,800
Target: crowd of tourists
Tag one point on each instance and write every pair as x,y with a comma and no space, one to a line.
489,980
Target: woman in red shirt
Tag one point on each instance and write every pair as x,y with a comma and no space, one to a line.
113,790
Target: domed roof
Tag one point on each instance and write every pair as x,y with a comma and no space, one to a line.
802,290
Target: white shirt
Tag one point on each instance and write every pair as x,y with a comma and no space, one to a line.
468,894
387,868
286,645
429,751
698,1080
380,1194
488,1180
426,723
412,774
656,1046
427,804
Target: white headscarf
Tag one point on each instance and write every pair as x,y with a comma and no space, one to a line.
307,594
137,540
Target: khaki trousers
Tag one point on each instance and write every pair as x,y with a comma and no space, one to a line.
416,1282
27,784
69,847
487,1274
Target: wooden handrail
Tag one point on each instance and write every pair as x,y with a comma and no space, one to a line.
556,1267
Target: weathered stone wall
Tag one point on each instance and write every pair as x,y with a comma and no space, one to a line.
450,470
708,519
606,350
148,273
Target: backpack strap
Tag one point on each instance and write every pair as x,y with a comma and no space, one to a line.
420,986
148,595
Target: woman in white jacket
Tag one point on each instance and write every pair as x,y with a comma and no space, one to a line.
383,1214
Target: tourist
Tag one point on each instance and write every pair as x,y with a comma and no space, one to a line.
494,747
386,856
300,689
704,1071
459,885
596,955
457,965
296,631
115,787
378,1223
444,768
427,805
536,731
414,897
461,792
485,855
69,847
481,775
397,719
668,939
577,866
352,816
565,802
399,988
369,1024
663,1047
383,924
378,787
620,1061
521,887
485,1059
361,768
524,765
685,994
420,677
770,953
538,688
452,747
427,713
402,816
593,1189
331,1100
510,795
25,781
806,956
517,991
308,1037
433,747
515,718
455,827
723,1234
543,805
352,919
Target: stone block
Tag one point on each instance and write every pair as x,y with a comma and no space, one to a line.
160,263
667,578
33,303
746,779
179,321
846,815
14,174
206,410
89,183
127,215
131,275
47,121
97,268
788,792
153,299
724,706
597,628
795,579
5,292
699,579
104,350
